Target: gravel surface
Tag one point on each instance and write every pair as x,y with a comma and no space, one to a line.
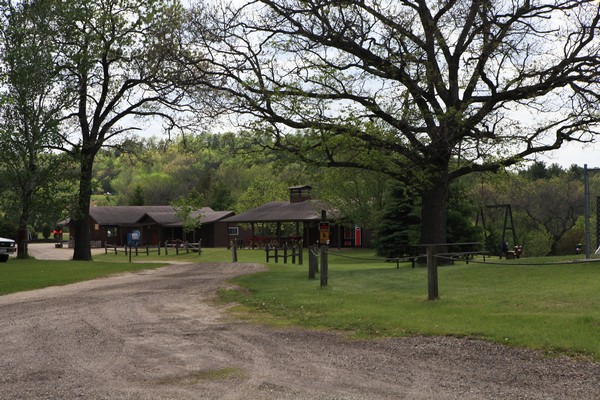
156,334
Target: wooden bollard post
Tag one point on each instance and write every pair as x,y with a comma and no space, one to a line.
324,266
300,251
234,257
285,253
267,252
313,260
432,275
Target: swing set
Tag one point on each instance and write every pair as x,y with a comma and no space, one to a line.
508,225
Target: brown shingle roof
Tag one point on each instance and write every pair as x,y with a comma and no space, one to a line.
282,211
163,215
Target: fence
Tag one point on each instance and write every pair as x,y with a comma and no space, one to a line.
174,245
293,252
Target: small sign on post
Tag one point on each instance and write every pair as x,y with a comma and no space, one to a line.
323,232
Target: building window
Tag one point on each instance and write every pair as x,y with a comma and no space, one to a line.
234,231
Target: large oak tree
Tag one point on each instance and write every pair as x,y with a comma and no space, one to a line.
114,57
425,91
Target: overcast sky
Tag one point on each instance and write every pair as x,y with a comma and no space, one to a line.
574,153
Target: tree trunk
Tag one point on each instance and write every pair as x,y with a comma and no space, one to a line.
83,251
22,235
434,209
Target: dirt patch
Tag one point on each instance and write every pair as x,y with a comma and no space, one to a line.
156,335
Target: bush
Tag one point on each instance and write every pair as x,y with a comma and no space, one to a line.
538,243
8,229
568,241
46,231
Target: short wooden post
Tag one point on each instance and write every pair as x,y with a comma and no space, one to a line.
267,252
300,251
432,275
324,265
130,251
234,257
276,255
312,264
147,250
285,253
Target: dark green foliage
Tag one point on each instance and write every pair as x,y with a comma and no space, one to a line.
138,196
8,229
399,224
461,215
46,231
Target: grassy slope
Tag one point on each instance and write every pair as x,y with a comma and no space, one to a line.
549,307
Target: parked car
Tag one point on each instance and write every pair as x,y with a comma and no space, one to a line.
7,247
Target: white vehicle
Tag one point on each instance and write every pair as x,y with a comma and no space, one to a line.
7,247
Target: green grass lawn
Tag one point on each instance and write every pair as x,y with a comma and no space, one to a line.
549,304
547,307
20,275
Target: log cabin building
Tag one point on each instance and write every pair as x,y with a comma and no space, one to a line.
114,225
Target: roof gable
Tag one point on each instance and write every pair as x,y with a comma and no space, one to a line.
283,211
162,215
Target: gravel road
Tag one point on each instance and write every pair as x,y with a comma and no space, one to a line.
156,334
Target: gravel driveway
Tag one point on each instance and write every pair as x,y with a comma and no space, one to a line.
156,334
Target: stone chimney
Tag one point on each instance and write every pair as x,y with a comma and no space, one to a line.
298,194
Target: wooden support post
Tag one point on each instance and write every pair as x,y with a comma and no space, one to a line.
130,251
267,252
276,255
300,252
432,275
285,253
293,254
234,257
313,261
324,265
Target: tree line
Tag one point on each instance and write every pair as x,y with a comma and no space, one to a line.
230,172
419,92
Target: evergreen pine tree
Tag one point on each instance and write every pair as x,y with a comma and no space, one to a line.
399,226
